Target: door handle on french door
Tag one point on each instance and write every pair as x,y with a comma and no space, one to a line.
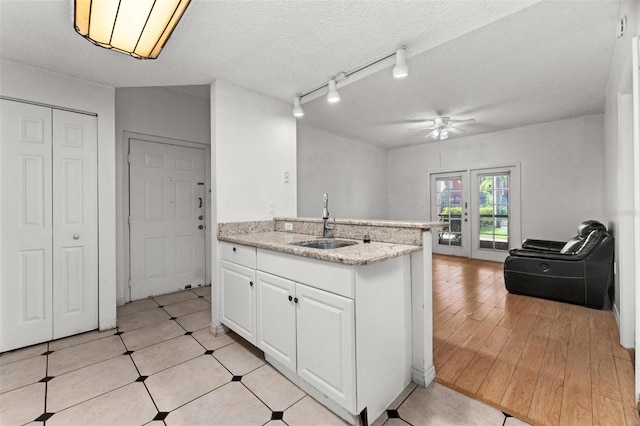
200,202
76,236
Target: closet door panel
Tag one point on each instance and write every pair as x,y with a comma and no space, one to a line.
25,225
75,221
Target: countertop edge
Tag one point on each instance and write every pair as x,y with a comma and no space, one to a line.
396,250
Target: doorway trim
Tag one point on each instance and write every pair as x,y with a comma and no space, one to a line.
126,186
515,202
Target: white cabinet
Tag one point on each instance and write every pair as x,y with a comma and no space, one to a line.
238,299
317,321
276,328
326,343
311,332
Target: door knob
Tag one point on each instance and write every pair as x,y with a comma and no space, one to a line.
200,217
200,226
76,236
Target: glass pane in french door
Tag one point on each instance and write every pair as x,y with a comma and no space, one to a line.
493,211
449,210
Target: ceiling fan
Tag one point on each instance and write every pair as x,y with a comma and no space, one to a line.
441,127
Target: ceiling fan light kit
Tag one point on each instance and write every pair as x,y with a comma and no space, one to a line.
442,127
139,28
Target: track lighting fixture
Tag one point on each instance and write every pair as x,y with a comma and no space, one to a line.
401,70
333,96
297,108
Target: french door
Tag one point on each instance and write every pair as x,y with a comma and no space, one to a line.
481,207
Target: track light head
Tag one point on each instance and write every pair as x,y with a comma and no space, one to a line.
297,108
333,96
401,70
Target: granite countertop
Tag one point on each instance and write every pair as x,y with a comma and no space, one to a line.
358,254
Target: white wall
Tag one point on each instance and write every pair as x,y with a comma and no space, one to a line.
618,177
352,173
154,111
36,85
561,172
253,140
255,143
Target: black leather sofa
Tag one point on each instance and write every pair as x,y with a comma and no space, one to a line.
578,271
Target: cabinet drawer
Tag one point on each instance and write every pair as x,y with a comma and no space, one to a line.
328,276
237,253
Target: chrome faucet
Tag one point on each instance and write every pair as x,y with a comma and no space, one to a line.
325,218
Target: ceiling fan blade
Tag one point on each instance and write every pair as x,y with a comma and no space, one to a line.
461,122
454,130
434,134
421,128
413,121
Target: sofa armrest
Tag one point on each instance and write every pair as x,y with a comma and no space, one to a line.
543,245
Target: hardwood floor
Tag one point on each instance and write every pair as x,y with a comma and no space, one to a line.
542,361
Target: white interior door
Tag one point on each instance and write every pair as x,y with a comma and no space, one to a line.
26,225
75,223
166,202
49,230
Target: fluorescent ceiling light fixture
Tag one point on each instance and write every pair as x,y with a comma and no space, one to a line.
297,108
333,96
139,28
401,69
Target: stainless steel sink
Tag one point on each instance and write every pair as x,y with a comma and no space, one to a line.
326,243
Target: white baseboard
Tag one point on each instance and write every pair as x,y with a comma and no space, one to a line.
218,329
423,378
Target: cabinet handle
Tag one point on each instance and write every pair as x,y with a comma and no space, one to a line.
234,249
251,283
290,298
295,300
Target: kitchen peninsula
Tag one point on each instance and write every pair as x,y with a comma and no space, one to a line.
348,321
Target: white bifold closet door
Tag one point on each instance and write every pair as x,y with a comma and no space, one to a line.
49,248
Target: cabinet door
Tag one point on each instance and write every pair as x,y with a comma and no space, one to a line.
238,299
276,323
326,343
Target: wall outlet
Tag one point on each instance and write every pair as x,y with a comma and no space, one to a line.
288,226
272,208
285,177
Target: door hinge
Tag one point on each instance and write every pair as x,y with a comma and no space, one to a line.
129,158
129,282
129,220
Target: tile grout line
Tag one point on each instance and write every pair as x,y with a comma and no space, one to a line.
46,384
139,375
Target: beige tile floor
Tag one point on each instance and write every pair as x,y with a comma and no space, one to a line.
162,366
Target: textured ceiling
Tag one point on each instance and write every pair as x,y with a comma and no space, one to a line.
548,62
504,63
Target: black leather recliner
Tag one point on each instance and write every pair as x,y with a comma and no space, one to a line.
578,271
